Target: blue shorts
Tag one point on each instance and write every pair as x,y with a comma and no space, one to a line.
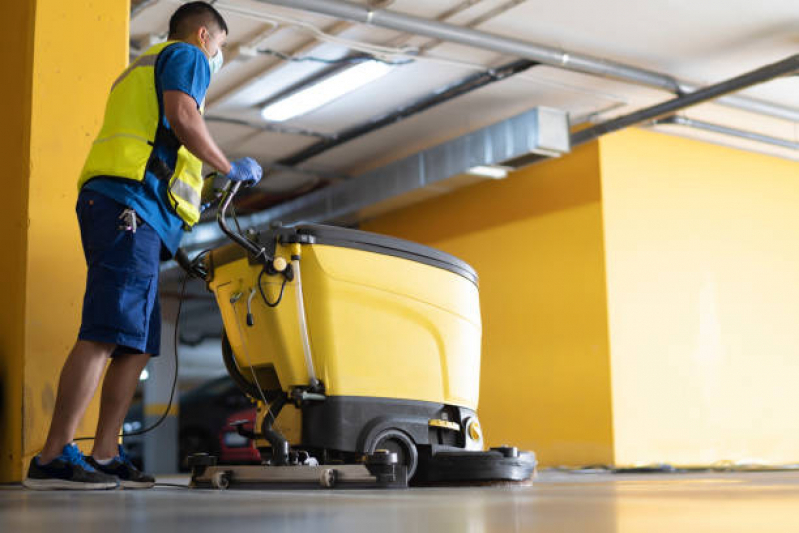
120,305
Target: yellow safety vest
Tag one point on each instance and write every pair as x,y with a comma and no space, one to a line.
124,146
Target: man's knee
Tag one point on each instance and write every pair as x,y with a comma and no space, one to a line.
91,349
134,359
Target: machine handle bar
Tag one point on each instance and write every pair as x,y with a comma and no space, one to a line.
221,213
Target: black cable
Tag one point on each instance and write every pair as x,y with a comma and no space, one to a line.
343,61
261,290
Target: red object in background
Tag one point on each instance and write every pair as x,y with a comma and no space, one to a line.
233,448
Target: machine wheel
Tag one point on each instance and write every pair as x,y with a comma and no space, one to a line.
191,442
396,441
328,478
245,385
220,480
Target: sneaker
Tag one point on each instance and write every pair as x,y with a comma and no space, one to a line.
121,466
67,471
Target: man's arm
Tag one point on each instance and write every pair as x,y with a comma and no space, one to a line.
187,123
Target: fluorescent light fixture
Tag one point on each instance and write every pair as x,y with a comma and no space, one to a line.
144,376
494,172
325,91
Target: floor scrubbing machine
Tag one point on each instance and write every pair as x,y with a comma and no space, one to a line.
362,353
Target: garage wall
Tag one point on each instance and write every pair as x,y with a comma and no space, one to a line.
702,245
535,240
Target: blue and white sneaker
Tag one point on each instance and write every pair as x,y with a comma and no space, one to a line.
121,466
67,471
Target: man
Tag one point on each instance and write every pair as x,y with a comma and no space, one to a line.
139,189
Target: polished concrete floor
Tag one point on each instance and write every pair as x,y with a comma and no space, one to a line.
568,502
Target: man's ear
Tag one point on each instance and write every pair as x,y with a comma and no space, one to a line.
201,34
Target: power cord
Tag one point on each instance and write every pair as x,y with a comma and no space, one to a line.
249,361
263,295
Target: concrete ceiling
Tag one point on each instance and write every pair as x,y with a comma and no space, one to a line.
702,42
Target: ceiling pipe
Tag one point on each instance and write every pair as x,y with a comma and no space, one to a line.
445,94
540,130
726,130
478,39
711,92
534,52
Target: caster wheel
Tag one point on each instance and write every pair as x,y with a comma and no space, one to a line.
201,459
328,478
394,442
220,480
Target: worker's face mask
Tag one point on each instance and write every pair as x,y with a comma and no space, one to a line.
216,62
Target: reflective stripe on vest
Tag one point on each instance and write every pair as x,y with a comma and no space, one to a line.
124,146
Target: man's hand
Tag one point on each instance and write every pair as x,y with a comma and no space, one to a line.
246,170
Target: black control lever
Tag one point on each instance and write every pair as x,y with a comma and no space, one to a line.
257,251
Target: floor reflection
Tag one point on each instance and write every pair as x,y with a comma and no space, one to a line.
556,502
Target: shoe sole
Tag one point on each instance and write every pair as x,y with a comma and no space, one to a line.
63,484
136,484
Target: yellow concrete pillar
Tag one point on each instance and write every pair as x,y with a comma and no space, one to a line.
62,58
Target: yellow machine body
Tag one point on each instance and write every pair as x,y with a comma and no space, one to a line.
374,340
379,326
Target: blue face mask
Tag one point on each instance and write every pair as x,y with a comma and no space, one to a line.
216,62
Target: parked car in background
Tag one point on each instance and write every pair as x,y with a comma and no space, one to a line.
234,448
204,411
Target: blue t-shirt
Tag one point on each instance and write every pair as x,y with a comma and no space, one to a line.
181,67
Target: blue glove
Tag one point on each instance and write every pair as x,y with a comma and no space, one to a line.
245,169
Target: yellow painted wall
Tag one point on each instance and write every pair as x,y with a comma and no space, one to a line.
535,240
14,150
703,294
75,52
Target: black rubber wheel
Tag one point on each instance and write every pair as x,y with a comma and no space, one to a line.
245,385
193,442
396,441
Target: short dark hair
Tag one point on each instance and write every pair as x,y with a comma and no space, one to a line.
191,16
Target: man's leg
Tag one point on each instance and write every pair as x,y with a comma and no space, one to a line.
79,378
119,386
